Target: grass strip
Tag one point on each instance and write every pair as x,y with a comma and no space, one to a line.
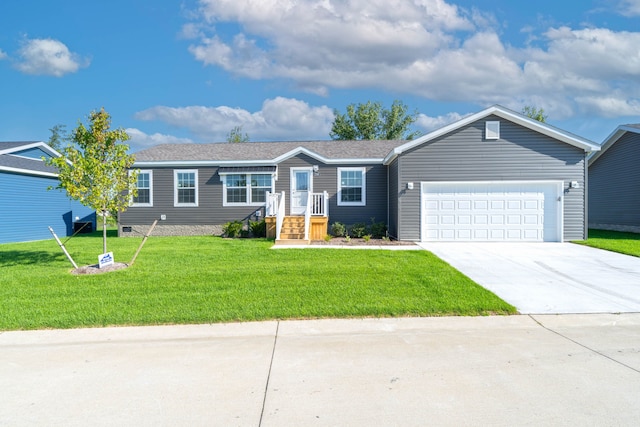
179,280
615,241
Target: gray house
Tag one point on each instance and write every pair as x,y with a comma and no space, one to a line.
614,182
492,176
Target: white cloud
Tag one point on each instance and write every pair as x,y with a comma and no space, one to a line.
428,123
279,119
629,7
48,57
612,106
322,43
3,55
429,48
139,139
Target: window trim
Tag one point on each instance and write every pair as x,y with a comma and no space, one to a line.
248,188
175,187
150,204
362,170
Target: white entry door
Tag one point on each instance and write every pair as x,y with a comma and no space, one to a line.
492,211
301,185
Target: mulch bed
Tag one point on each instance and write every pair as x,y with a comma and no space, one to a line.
341,241
94,269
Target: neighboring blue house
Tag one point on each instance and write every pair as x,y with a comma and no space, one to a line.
27,208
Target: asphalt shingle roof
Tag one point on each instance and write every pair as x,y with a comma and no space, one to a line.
25,163
256,151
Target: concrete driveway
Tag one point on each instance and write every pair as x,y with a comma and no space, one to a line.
548,278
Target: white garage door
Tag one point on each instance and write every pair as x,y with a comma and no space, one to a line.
492,211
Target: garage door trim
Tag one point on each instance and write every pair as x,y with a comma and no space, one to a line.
556,185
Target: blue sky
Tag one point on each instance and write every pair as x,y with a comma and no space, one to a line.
189,71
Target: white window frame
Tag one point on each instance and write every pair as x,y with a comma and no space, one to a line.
492,130
150,172
363,202
175,187
249,202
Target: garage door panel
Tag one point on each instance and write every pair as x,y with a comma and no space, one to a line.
491,211
497,219
481,219
480,204
464,205
464,219
481,234
464,234
514,219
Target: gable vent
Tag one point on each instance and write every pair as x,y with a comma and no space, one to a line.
492,130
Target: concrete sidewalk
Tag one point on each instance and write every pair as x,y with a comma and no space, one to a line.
499,371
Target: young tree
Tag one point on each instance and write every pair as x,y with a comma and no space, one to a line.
372,121
235,135
534,113
95,170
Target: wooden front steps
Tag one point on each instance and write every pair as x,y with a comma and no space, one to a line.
293,229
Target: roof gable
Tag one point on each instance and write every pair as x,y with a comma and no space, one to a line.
618,133
512,116
12,158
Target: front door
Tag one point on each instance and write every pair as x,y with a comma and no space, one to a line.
301,185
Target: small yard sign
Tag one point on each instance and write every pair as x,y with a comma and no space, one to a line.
105,259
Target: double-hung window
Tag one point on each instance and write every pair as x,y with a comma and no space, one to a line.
351,186
145,192
246,188
185,191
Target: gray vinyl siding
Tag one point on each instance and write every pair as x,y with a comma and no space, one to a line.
327,180
519,155
210,209
208,212
614,185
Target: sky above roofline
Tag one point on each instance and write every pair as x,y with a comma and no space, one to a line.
190,71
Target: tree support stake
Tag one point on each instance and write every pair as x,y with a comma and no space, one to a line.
146,236
63,248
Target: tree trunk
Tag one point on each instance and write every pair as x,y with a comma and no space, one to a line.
104,231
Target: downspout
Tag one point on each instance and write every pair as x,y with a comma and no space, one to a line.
586,196
388,198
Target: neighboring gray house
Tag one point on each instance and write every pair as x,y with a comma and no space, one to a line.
614,182
492,176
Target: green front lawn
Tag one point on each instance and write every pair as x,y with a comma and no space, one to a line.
209,279
616,241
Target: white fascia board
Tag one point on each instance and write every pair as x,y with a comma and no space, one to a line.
302,150
39,144
506,114
28,172
612,139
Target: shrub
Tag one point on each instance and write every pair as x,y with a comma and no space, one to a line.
327,238
232,228
258,228
338,229
358,230
377,229
366,237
